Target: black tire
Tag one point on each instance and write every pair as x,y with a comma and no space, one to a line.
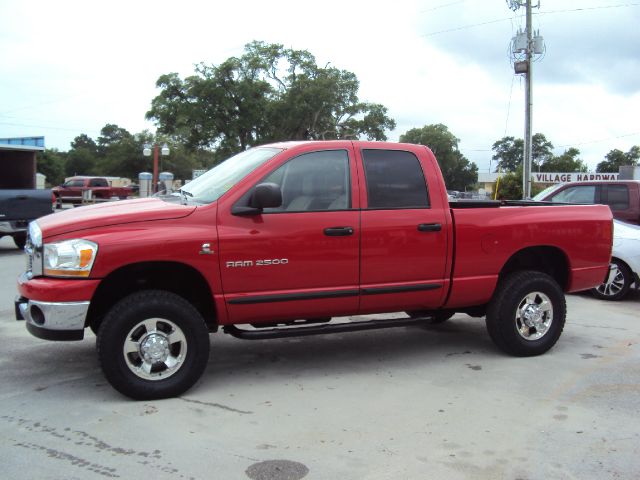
617,284
431,317
535,294
176,340
20,239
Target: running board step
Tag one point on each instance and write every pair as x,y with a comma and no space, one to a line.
284,332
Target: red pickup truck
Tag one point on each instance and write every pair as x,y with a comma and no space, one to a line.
279,239
622,196
72,190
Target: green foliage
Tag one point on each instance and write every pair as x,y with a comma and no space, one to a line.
617,158
509,187
509,152
458,172
270,93
567,162
118,153
82,157
51,164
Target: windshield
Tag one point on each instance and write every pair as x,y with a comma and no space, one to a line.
211,185
546,192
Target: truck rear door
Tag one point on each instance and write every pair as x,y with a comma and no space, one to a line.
405,232
300,260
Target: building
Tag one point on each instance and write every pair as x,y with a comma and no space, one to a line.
486,181
18,162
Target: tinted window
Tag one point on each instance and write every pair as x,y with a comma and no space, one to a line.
618,197
577,194
98,182
313,181
394,179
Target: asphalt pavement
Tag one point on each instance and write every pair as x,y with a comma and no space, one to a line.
404,403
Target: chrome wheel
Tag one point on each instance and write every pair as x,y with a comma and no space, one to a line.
155,349
534,316
614,283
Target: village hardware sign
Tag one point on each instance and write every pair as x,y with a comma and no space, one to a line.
545,177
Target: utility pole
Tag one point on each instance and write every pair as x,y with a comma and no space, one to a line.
528,154
523,48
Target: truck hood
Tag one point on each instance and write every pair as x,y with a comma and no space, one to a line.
111,213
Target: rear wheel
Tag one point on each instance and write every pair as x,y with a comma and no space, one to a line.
527,313
617,284
153,344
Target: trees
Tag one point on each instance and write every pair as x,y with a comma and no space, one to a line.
118,153
458,172
270,93
567,162
510,186
509,152
82,157
51,164
617,158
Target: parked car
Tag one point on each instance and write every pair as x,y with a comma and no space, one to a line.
625,263
72,190
18,207
622,196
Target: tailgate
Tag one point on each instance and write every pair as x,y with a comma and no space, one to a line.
24,204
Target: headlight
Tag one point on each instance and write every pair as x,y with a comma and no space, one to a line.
35,234
69,258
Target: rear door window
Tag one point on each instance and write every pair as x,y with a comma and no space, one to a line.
394,180
617,197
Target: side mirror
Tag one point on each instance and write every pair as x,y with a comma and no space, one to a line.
266,195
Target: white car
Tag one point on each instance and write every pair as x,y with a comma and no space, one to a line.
625,263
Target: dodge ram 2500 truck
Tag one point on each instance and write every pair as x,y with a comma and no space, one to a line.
279,239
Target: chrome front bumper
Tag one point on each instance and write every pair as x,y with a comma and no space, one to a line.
53,320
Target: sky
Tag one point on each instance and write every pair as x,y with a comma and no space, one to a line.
70,67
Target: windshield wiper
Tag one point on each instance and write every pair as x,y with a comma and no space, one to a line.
184,194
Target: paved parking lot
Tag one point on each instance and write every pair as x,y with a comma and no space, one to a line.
406,403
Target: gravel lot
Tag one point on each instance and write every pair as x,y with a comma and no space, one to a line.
405,403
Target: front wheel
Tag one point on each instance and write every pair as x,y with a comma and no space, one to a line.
153,344
20,239
617,284
527,313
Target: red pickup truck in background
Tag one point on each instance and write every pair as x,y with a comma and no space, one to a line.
622,196
279,239
72,190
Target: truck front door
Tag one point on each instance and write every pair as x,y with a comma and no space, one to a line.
300,260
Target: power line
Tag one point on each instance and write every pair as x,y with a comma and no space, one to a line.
599,141
583,9
438,7
465,27
497,20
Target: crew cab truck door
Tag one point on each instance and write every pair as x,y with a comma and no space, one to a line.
301,259
405,231
620,202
